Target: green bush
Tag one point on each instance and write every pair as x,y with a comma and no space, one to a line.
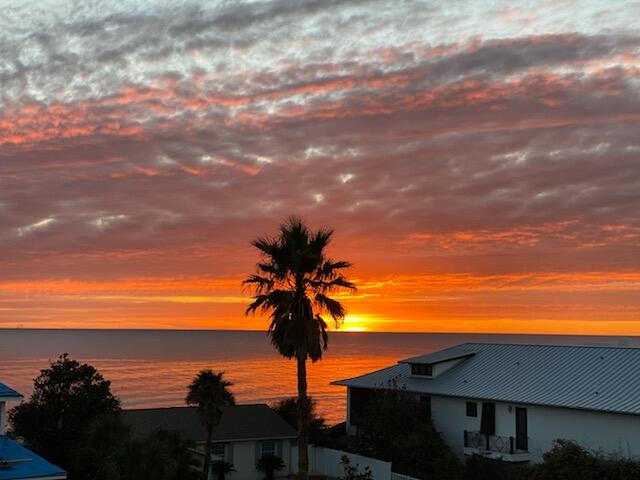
393,427
481,468
569,461
565,461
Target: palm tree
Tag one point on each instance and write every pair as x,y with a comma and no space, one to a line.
209,392
293,284
269,464
221,468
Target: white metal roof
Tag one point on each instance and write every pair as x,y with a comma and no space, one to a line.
590,378
452,353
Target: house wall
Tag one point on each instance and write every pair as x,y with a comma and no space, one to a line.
594,430
608,432
244,455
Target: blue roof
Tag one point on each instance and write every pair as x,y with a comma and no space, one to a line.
6,392
17,462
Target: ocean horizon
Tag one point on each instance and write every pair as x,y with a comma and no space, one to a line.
152,368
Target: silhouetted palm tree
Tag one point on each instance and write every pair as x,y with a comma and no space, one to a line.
269,464
209,392
222,468
294,282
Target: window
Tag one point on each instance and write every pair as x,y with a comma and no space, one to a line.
268,447
218,449
422,369
472,409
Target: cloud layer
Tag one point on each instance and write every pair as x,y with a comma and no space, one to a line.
146,142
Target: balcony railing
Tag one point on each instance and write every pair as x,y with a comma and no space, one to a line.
496,443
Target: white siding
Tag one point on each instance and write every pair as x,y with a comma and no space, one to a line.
244,461
613,433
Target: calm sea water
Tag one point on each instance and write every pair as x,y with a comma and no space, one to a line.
151,368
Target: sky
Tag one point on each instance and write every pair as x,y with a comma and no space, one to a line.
479,161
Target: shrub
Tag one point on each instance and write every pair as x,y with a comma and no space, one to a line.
569,461
481,468
393,427
269,464
352,472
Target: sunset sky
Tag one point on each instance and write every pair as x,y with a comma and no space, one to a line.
479,162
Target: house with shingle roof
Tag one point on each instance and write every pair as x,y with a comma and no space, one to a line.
16,461
245,434
511,402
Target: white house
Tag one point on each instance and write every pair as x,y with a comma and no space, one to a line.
16,461
245,434
512,401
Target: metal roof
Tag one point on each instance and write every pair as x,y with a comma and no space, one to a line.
239,422
6,392
441,355
591,378
17,462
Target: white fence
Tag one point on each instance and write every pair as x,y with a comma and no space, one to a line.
399,476
326,461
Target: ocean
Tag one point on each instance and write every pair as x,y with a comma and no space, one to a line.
152,368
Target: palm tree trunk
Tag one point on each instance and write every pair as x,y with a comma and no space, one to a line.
303,420
207,455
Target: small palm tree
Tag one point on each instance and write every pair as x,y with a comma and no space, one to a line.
293,284
269,464
221,468
209,392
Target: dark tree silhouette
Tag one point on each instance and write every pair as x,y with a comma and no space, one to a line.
209,391
288,409
109,451
269,464
222,468
66,397
293,284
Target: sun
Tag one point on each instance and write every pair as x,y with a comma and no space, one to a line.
354,323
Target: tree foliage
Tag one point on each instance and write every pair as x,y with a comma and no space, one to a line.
293,284
394,427
108,451
288,409
480,468
66,397
567,460
269,464
73,420
221,468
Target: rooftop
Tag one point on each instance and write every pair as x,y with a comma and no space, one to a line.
16,462
6,392
239,422
589,378
442,355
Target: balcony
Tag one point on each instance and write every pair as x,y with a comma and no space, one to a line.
508,449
